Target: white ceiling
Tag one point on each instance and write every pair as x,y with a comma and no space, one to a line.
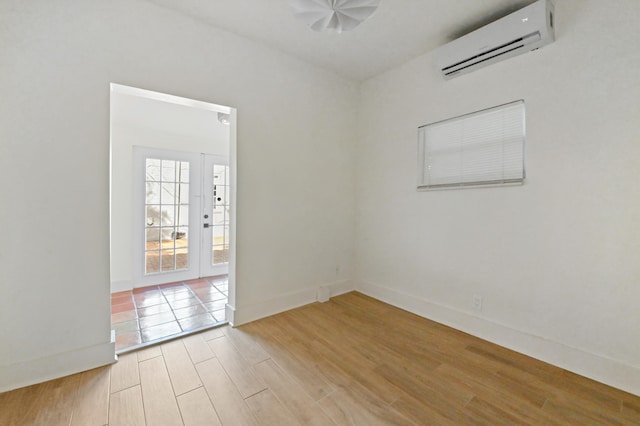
399,30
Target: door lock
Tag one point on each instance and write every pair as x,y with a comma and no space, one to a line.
206,225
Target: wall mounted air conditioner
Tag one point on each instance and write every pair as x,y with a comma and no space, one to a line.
527,29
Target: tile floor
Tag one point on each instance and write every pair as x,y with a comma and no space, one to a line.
151,314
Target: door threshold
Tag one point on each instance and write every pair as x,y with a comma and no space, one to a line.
169,338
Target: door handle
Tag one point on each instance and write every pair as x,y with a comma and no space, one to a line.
206,225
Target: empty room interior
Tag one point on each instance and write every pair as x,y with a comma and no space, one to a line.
423,212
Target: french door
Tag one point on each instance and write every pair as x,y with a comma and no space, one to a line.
214,255
181,216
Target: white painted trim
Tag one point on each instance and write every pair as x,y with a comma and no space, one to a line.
230,314
579,361
285,302
233,171
323,294
122,285
341,287
26,373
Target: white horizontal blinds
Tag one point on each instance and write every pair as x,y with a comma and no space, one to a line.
485,147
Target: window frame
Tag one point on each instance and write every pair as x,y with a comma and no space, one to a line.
424,184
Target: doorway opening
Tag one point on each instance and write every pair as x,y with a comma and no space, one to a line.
172,216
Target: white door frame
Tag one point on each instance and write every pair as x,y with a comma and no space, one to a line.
233,150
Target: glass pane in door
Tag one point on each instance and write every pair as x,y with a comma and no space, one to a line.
167,215
220,222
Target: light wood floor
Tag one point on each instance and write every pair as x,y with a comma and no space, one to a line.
352,360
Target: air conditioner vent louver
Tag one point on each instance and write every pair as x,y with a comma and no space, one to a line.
522,31
492,53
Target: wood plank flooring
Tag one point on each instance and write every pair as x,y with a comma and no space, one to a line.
351,361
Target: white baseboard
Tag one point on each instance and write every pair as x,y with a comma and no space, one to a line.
341,287
602,369
284,302
230,314
123,285
51,367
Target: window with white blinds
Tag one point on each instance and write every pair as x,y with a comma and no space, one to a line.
481,148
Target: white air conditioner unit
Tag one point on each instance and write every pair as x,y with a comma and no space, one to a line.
527,29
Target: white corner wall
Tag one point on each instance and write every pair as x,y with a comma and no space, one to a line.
556,260
296,127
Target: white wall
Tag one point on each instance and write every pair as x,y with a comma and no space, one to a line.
151,123
556,260
58,57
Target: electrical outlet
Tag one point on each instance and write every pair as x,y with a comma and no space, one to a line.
477,302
